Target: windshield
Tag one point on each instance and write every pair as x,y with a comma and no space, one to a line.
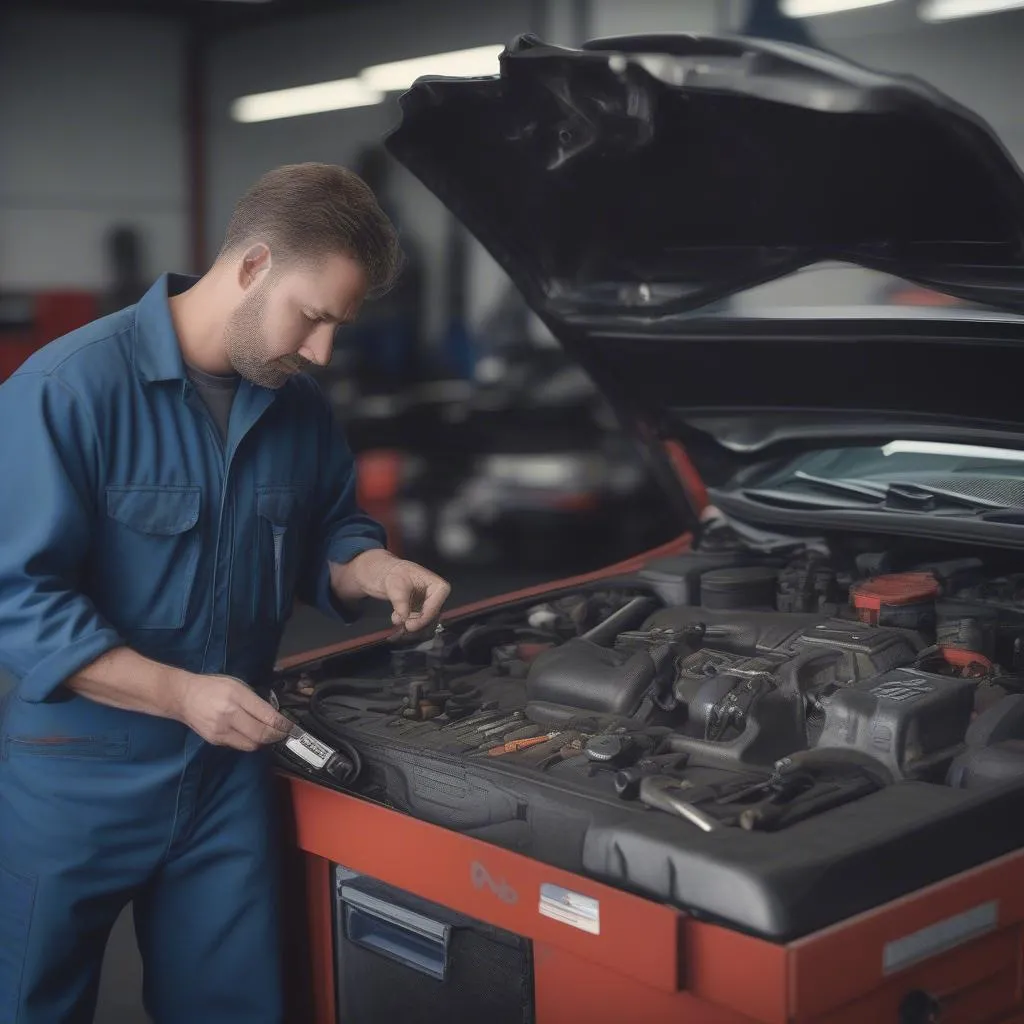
987,476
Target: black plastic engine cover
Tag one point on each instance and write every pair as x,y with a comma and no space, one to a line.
985,767
912,722
583,675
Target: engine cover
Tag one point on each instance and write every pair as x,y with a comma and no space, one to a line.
913,722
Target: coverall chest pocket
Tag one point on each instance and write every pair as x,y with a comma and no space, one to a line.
278,551
146,565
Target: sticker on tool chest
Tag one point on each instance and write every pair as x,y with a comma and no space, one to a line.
311,751
570,908
940,937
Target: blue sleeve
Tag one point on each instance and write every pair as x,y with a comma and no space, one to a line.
341,529
50,457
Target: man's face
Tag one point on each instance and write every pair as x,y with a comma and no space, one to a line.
286,320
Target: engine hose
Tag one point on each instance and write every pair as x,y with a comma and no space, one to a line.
629,615
345,773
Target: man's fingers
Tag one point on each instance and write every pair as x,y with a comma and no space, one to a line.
256,707
398,588
255,732
436,595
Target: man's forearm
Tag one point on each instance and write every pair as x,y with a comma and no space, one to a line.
352,581
121,678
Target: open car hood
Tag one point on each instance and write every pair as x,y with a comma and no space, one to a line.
627,186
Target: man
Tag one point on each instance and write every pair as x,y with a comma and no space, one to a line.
171,478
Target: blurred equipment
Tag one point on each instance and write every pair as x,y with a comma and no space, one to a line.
127,269
27,323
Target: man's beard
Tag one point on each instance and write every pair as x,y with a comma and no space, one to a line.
248,345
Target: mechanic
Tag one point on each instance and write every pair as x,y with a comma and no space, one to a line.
172,478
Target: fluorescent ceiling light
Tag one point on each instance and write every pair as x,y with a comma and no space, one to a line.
947,10
814,8
962,451
305,99
399,75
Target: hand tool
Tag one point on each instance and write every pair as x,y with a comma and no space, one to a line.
822,797
573,748
513,746
502,725
521,732
661,792
478,720
627,780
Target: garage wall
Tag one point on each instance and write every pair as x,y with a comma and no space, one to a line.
90,138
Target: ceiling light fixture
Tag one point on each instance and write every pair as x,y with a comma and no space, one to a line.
816,8
342,94
369,88
398,75
949,10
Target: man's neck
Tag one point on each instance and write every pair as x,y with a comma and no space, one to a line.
200,327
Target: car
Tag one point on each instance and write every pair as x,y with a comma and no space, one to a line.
800,726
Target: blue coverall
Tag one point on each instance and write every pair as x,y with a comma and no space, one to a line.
124,520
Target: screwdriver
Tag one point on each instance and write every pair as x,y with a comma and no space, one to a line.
513,746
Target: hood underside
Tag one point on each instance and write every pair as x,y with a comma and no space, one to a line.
651,175
629,185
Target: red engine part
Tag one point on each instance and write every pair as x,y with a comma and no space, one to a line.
901,599
970,663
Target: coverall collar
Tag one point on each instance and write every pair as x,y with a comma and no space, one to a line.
157,352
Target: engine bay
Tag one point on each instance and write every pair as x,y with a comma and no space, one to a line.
722,697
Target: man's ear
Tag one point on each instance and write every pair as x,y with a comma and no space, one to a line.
256,263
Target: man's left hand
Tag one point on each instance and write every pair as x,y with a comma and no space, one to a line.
416,594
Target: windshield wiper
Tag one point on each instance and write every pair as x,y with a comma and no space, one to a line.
892,496
851,487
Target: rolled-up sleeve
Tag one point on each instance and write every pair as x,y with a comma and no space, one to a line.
341,530
49,630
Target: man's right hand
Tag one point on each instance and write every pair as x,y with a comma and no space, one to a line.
224,711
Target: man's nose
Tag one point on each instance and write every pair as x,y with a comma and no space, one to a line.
319,345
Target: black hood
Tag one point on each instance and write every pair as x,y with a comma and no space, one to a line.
651,175
628,185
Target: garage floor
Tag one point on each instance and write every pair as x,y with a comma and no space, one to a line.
121,983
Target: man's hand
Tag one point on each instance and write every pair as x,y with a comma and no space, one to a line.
224,711
416,594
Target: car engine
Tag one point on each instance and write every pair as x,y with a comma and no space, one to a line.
790,677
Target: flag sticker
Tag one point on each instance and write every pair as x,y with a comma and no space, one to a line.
571,908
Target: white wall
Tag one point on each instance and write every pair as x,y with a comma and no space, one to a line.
90,137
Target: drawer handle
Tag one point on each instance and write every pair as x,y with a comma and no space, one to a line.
413,940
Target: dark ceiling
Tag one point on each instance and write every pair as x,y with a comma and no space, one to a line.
211,14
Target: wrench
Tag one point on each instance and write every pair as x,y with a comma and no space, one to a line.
657,791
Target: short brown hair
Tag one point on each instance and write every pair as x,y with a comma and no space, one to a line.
310,210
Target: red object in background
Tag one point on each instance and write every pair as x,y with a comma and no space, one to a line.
897,590
379,479
15,348
54,314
